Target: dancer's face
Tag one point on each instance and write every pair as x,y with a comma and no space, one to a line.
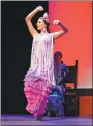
40,24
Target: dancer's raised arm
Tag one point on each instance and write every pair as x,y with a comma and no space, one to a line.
61,32
28,19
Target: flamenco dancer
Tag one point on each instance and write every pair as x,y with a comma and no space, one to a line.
40,76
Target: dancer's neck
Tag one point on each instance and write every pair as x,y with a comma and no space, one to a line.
43,31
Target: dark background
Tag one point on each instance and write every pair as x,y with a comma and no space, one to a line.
16,43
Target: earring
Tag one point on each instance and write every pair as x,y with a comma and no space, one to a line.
44,30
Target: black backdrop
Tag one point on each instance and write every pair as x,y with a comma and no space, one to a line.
16,43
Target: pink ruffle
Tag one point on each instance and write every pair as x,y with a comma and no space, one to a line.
36,92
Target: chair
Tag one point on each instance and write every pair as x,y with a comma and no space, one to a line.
70,96
72,75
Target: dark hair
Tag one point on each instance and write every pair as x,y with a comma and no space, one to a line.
57,54
47,23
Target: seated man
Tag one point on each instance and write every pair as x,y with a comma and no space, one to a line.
56,98
60,72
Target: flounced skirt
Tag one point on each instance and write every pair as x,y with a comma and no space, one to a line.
36,90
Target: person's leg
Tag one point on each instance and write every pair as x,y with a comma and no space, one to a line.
61,110
39,118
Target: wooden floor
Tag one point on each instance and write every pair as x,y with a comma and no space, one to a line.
58,121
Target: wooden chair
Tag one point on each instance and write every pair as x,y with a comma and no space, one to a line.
70,96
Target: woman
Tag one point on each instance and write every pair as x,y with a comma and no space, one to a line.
40,76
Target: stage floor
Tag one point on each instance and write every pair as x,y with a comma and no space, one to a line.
30,120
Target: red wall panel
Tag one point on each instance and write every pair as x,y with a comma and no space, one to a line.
77,43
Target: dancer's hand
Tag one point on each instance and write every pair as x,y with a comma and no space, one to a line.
56,22
40,8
